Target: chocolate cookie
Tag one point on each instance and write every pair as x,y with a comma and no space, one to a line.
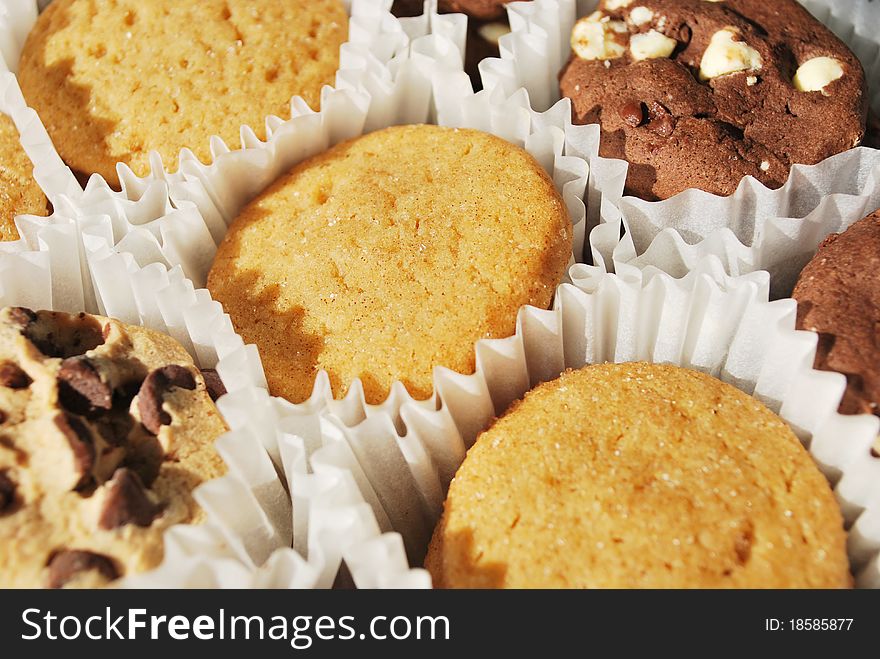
19,192
838,296
114,79
105,429
698,94
639,476
389,255
487,23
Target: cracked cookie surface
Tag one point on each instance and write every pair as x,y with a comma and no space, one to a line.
105,429
699,94
639,476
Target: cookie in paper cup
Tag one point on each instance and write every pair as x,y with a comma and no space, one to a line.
774,230
639,476
244,546
112,81
108,427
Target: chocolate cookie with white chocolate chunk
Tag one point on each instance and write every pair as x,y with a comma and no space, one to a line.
105,429
699,94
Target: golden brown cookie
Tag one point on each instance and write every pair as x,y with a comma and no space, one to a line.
639,476
105,429
19,192
389,255
114,79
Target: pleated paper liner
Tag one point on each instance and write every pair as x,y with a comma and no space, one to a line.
756,228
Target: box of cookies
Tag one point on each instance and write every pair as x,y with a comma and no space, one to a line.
376,294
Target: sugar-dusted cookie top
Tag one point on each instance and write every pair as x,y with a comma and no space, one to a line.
639,476
389,255
19,192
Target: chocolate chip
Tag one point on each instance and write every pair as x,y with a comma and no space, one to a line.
80,388
80,440
13,377
633,114
7,492
127,502
21,316
3,417
875,453
661,121
67,564
213,383
156,384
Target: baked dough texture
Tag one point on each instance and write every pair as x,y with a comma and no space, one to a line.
114,79
19,192
389,255
639,476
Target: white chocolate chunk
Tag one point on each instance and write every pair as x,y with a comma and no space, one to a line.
651,45
595,37
724,55
617,4
492,32
751,81
765,166
815,74
641,15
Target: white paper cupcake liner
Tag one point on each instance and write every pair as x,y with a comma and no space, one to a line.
755,228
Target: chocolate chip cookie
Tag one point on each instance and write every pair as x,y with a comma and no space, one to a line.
699,94
105,429
838,296
639,476
114,79
19,192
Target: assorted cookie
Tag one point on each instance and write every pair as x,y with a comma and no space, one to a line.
19,192
838,297
113,80
389,255
105,430
639,476
698,94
